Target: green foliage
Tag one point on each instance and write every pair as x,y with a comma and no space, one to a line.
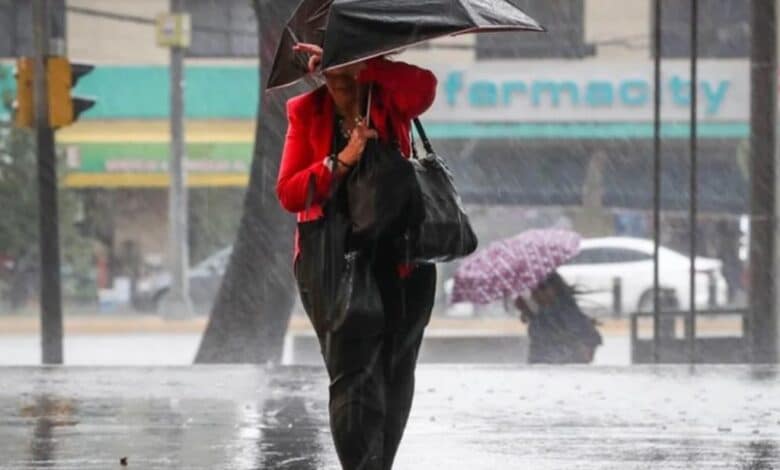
6,90
19,218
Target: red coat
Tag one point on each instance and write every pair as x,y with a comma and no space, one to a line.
401,92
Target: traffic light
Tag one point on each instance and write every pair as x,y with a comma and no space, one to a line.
65,108
23,104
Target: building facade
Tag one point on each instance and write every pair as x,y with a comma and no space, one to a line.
562,119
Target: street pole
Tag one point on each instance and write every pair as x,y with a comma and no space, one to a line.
693,184
177,302
763,118
656,179
50,293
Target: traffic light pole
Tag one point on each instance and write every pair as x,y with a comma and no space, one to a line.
50,291
177,302
763,183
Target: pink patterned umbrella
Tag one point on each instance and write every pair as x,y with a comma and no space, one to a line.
508,268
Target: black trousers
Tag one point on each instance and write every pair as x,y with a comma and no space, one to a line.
372,376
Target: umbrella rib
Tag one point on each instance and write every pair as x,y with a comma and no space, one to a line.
292,34
322,11
469,11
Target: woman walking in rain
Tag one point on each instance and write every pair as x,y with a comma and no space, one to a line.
371,369
523,268
558,331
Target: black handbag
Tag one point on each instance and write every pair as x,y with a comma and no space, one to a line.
337,284
358,310
384,199
445,232
323,243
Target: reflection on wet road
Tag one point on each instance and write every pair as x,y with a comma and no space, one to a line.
475,417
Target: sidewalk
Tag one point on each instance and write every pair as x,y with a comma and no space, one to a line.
145,340
299,324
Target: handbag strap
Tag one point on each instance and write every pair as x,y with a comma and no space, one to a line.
393,137
423,137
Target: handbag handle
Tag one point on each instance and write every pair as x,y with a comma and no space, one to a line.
423,137
368,105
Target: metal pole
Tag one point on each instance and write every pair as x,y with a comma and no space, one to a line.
50,294
763,119
690,321
617,297
657,182
177,302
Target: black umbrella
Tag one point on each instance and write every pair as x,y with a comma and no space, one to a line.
355,30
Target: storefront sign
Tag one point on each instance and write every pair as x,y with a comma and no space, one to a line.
146,165
590,91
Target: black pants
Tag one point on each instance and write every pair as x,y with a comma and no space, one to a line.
372,376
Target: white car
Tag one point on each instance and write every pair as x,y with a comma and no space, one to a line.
205,279
602,261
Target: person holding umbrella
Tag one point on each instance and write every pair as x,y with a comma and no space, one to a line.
366,106
372,377
523,269
558,331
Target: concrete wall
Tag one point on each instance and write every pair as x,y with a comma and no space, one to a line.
619,28
103,40
110,41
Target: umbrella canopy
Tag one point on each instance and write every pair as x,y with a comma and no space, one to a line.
355,30
510,267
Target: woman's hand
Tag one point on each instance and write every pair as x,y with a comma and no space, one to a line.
315,52
315,60
353,152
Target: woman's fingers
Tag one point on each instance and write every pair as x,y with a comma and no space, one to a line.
370,134
314,62
358,139
358,142
364,131
314,50
308,48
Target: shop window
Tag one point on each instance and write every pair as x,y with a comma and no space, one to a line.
724,29
222,28
565,37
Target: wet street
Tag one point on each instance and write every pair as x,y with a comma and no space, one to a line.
464,417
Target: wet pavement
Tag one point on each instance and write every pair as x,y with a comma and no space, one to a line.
464,417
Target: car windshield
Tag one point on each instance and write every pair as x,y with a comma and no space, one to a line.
603,255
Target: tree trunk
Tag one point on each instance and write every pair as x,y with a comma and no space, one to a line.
249,319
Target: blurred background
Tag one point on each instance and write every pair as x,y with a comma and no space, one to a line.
548,130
